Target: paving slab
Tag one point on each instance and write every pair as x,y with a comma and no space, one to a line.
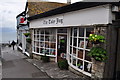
52,69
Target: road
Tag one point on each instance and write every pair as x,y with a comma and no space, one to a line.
14,65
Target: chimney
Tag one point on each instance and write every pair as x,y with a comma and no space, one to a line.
69,1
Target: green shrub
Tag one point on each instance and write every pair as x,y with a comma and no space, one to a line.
45,58
63,64
98,53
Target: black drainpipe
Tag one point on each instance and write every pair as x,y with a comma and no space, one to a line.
115,74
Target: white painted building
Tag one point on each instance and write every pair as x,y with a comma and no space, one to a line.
64,32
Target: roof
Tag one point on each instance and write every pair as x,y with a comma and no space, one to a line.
69,8
35,8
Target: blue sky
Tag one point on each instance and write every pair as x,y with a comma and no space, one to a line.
9,9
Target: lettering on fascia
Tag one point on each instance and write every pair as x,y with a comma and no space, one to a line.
53,21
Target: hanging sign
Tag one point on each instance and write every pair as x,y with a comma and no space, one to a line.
23,20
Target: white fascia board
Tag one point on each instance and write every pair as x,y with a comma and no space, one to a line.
89,16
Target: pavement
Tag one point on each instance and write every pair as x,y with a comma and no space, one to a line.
52,69
17,65
14,65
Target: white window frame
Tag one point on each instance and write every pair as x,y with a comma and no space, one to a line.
84,49
34,42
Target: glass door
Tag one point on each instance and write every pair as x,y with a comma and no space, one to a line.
61,44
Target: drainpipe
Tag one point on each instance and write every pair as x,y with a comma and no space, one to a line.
68,1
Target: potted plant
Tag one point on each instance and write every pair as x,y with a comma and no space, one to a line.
96,39
26,34
63,64
98,53
45,58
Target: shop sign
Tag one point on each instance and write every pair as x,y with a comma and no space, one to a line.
53,21
23,20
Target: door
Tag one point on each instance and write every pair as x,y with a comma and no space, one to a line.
62,46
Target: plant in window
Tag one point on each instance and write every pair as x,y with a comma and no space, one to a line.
98,53
96,38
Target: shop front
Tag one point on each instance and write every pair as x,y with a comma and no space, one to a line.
65,34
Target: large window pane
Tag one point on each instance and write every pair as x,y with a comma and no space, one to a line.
81,32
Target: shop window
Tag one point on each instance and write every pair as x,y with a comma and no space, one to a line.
45,41
79,49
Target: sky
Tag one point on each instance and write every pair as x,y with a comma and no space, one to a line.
9,9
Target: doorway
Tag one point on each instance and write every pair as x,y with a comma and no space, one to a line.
61,44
